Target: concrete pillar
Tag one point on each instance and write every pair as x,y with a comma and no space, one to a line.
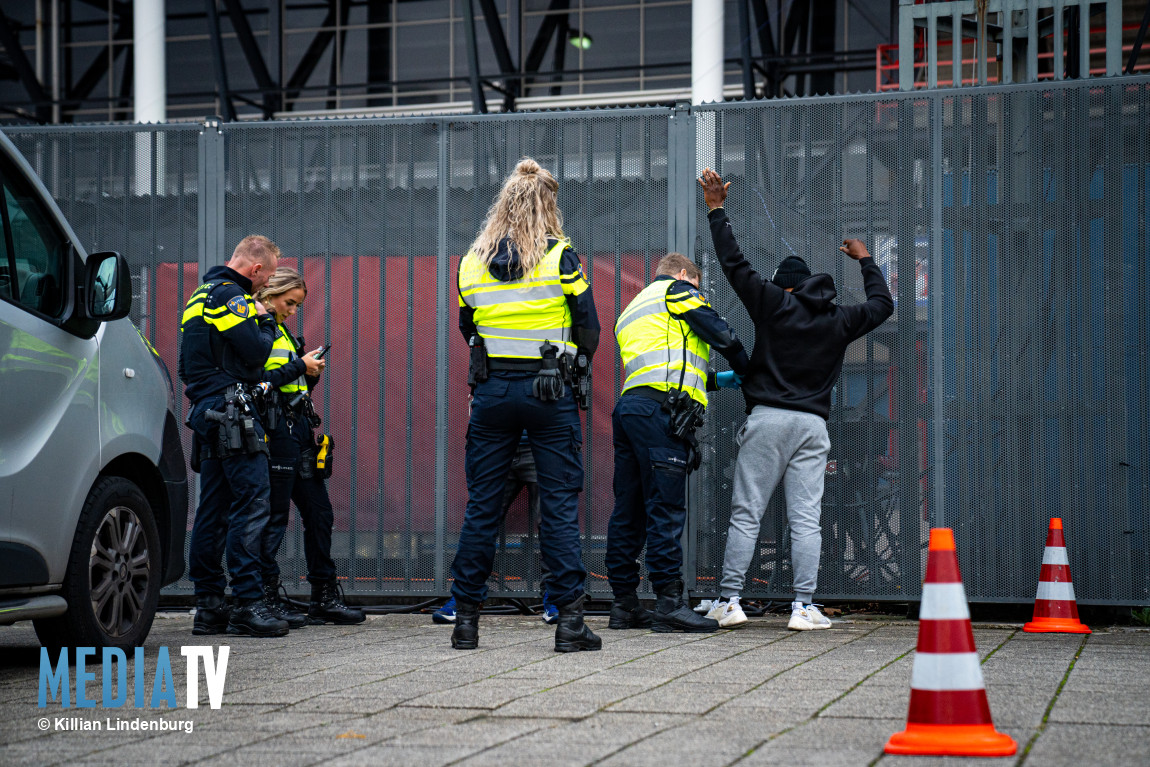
706,51
149,90
149,87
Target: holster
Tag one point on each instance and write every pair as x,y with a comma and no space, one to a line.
236,433
686,416
576,371
477,363
267,402
324,448
548,383
195,460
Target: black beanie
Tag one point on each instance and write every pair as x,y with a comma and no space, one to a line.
791,272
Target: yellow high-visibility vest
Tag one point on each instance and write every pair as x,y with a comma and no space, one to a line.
515,318
658,349
283,352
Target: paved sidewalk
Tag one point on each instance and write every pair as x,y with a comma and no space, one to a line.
393,692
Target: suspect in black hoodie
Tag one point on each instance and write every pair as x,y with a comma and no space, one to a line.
801,337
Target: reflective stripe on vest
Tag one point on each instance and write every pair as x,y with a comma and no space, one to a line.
516,318
283,352
220,317
654,350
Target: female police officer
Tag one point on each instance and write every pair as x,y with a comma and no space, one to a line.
291,443
525,305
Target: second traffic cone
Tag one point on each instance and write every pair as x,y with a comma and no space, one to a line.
1055,609
949,713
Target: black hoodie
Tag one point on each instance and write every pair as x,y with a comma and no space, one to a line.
584,319
802,336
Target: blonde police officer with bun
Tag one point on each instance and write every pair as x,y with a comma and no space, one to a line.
527,313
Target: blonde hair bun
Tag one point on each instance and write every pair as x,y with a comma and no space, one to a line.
527,167
527,212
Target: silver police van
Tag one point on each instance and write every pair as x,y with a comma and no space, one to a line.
93,486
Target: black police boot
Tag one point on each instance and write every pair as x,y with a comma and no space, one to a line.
212,613
672,614
572,634
327,606
281,609
627,613
465,635
252,618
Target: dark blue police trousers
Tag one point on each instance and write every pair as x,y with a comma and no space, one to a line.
650,496
311,499
234,502
502,409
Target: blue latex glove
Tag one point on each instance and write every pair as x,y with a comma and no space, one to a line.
728,379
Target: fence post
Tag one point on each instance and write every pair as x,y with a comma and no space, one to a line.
441,308
681,150
935,281
210,228
906,389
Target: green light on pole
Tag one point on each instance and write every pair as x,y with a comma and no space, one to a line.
580,40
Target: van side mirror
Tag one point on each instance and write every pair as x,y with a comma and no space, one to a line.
107,287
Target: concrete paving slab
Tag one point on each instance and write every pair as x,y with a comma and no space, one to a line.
1072,745
483,694
1101,707
682,698
819,742
394,692
683,745
568,701
390,755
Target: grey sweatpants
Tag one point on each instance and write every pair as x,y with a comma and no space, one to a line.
778,444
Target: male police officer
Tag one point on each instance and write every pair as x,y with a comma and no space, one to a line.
225,337
663,337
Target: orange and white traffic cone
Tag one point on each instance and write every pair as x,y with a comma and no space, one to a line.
1055,610
949,713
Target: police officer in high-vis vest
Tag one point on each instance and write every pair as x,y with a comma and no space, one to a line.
294,476
664,336
527,313
225,337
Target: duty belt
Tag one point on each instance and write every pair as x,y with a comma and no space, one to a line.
648,392
514,365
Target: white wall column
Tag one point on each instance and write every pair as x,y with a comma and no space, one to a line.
149,89
149,86
706,74
706,51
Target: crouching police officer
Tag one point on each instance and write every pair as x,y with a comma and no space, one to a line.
664,337
526,310
225,337
294,474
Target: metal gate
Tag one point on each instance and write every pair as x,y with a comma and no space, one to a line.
1011,384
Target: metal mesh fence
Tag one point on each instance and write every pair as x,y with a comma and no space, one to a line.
1010,385
132,189
611,167
803,177
1043,309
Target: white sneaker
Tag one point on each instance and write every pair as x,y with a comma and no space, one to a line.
732,615
807,618
717,608
705,606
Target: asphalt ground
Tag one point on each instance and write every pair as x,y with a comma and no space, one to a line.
393,692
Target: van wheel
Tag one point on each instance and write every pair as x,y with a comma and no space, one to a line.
112,583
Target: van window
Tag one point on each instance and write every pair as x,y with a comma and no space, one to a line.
33,252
